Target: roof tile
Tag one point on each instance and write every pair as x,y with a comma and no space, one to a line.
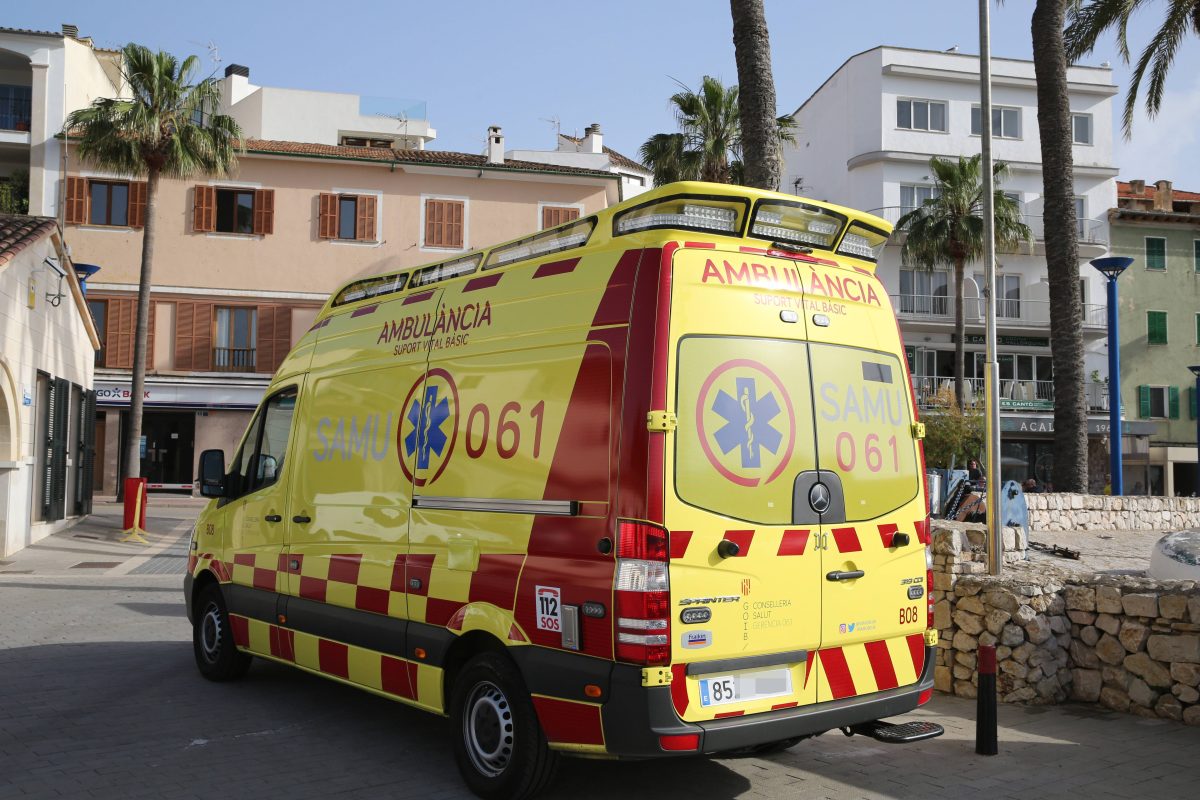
18,232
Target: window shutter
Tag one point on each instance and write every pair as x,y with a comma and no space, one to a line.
137,204
1173,402
364,228
75,212
327,205
193,336
454,215
444,223
204,211
149,355
85,473
1144,402
433,223
553,216
274,337
264,211
118,343
54,483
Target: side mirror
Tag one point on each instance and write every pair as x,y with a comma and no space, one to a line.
212,473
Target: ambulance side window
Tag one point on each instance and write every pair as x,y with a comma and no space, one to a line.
259,462
240,466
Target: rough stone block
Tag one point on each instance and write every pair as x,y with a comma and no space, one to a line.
1186,694
1115,699
1173,606
943,681
1022,695
1188,674
968,660
1089,635
1059,625
1141,693
996,620
1174,648
1082,617
1014,669
1012,636
1048,688
1022,652
1086,685
1083,655
961,672
962,641
1023,614
1108,600
1148,669
1038,629
1133,635
972,605
1108,623
1169,707
1110,650
965,689
1081,598
968,623
1002,599
941,614
1194,609
1140,605
1191,715
1116,677
987,638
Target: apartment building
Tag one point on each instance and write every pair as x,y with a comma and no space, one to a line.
1159,227
243,263
864,139
590,152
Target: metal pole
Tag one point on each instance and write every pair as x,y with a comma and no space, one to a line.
1115,459
1196,408
995,551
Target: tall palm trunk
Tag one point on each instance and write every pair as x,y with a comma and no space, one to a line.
756,94
133,452
1062,253
960,331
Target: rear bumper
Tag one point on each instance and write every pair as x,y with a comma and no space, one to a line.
636,716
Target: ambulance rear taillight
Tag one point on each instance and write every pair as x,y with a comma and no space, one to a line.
928,578
642,589
684,212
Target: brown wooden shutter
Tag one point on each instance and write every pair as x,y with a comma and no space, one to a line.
444,223
553,216
274,337
204,212
137,204
364,228
150,336
264,211
327,218
193,336
76,210
122,321
433,223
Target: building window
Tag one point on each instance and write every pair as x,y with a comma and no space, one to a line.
1196,254
1081,128
1156,327
1156,253
108,203
363,141
553,216
233,210
921,115
1006,122
348,217
237,332
924,292
16,107
1008,294
99,309
1158,402
913,197
445,223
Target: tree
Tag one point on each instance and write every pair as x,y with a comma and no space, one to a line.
1062,250
1088,21
708,146
168,126
953,434
14,193
756,100
947,230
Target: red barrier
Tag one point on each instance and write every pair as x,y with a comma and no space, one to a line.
135,503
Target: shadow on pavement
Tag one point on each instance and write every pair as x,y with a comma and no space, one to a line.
157,609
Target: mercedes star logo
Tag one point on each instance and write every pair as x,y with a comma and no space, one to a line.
818,498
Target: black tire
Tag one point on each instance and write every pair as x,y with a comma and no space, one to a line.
498,743
217,656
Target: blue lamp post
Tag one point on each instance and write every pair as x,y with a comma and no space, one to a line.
1196,397
1111,268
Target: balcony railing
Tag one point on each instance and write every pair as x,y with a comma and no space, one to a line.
1088,230
233,359
1026,313
15,114
1014,394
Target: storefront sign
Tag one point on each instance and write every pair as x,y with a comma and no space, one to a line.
1026,405
1095,427
183,395
1004,341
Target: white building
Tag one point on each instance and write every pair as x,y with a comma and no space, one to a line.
47,406
864,140
589,152
335,118
44,76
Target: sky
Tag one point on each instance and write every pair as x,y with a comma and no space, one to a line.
532,65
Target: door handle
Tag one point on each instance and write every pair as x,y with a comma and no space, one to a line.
273,518
300,518
844,575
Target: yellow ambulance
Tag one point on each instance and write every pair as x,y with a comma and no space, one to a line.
646,484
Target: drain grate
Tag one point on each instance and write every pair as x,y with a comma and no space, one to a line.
96,565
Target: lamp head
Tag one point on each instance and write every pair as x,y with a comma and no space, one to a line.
1195,370
1112,266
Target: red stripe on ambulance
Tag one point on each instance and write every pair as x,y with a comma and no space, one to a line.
916,649
398,677
495,580
881,665
556,268
679,692
483,282
334,658
568,722
742,539
793,542
846,540
419,297
837,673
886,532
679,543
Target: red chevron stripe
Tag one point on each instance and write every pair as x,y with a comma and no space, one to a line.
724,714
679,694
793,543
679,543
886,532
837,672
778,706
916,649
808,666
881,665
483,282
847,540
922,528
556,268
742,539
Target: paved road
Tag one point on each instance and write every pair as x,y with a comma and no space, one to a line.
99,698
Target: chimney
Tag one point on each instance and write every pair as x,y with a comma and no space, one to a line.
70,30
495,146
1164,198
237,69
1137,187
593,140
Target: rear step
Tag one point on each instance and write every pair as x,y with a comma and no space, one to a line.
903,733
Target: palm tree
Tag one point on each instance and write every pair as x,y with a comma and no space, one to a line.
708,146
756,101
1062,251
168,126
1088,21
947,230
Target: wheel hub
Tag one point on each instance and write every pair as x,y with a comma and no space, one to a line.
488,729
210,633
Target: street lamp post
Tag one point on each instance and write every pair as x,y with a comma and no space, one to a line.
1111,268
1196,398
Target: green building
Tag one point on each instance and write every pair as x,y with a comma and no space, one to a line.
1159,227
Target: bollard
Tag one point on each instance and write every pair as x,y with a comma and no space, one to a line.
985,708
135,511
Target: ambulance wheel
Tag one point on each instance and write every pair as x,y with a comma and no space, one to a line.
212,639
498,743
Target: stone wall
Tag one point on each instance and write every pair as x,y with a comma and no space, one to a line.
1130,644
1092,512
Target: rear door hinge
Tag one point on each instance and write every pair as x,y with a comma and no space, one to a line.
661,421
918,430
656,676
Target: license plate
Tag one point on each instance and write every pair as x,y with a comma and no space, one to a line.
745,687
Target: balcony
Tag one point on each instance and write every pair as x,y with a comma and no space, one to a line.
233,359
1091,234
1010,313
1015,395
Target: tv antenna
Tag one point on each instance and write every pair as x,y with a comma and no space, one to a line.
555,123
